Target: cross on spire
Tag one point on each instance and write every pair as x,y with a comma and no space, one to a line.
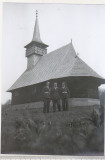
36,13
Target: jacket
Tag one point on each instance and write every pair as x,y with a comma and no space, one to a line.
46,92
55,93
65,93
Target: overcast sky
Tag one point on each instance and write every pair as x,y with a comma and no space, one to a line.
58,23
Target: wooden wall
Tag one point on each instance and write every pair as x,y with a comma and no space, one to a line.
80,87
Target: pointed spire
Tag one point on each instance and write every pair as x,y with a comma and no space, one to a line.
36,34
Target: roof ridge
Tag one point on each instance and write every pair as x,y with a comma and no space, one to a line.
62,60
58,49
72,66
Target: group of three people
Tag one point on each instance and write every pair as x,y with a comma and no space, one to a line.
55,94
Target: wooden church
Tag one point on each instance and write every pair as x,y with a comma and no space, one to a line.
60,65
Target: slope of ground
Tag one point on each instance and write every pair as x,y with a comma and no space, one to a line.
27,130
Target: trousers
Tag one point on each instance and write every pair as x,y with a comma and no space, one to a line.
65,104
56,102
46,105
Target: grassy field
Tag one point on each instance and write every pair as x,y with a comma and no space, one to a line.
29,131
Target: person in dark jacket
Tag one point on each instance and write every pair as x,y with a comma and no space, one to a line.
65,93
46,97
55,96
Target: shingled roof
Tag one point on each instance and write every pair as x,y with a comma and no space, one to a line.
60,63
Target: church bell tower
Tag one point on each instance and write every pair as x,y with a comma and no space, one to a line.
36,48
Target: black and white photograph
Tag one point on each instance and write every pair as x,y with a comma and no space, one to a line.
53,79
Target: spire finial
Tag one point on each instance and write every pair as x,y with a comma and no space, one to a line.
71,40
36,13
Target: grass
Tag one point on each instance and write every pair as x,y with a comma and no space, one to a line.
29,131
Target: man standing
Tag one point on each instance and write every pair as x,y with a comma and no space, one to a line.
55,95
46,97
65,93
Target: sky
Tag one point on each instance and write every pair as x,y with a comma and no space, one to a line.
58,24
